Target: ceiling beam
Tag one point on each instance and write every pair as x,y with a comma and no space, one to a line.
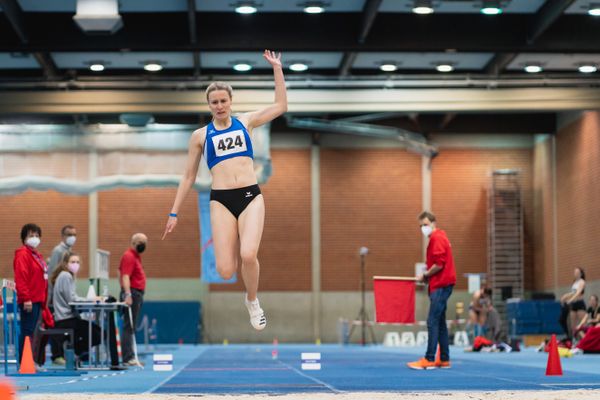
347,62
335,32
193,34
369,13
47,63
546,16
550,11
448,117
499,62
303,101
13,13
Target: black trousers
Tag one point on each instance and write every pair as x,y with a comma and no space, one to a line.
56,346
81,331
137,297
564,318
29,323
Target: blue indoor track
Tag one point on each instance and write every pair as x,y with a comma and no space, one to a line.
251,369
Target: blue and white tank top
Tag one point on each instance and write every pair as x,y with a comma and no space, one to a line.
228,143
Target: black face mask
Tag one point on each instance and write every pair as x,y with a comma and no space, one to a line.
140,247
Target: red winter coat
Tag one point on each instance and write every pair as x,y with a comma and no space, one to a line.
31,275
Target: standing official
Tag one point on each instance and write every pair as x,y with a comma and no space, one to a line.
441,276
133,284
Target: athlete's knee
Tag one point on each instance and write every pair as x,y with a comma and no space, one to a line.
249,256
226,270
227,273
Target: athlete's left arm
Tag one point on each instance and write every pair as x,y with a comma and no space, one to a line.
279,106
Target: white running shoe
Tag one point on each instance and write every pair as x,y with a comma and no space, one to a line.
257,315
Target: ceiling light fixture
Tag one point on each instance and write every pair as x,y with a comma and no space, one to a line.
298,66
388,66
444,67
533,68
314,7
246,7
422,7
97,66
242,66
153,66
490,7
594,9
587,68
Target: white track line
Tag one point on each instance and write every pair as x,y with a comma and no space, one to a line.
571,384
168,378
320,382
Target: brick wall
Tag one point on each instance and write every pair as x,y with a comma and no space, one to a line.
578,194
368,198
123,212
51,211
459,200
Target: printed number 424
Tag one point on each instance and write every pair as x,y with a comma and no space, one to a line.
229,143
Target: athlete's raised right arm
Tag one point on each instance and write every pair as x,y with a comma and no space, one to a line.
189,176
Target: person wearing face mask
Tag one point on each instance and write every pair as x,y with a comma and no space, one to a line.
68,238
441,276
133,285
63,293
68,235
31,279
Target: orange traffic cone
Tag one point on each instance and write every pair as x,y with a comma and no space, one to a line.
553,367
6,391
27,365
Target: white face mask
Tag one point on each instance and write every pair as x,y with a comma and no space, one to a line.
426,229
33,241
70,240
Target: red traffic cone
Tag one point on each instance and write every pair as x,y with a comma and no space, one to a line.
27,365
553,367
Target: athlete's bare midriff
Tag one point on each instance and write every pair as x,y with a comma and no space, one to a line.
233,173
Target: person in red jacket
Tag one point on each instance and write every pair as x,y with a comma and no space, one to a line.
31,279
441,276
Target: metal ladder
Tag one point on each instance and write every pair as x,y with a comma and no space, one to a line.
505,238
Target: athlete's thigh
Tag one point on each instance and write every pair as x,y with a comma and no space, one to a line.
225,234
251,223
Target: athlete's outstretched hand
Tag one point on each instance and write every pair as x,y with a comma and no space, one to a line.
273,58
171,222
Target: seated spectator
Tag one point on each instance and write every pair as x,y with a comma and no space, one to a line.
493,325
590,342
591,319
63,282
477,311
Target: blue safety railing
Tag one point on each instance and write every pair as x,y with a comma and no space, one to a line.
7,286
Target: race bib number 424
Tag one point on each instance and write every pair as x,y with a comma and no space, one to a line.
229,143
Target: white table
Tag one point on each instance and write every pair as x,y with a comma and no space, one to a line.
100,309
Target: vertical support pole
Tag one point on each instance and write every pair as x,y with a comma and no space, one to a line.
315,180
93,218
554,218
426,194
5,327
